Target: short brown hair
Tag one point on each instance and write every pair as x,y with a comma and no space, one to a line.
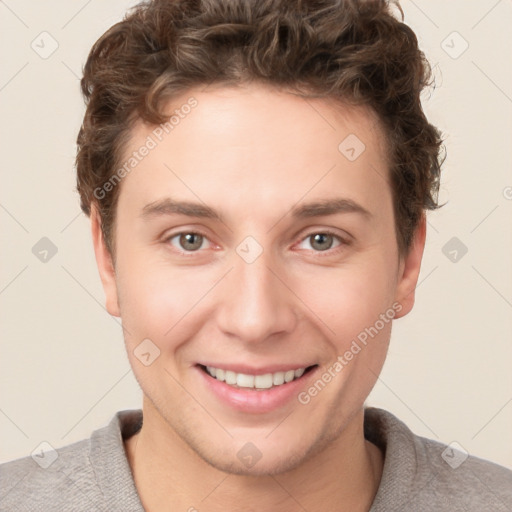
355,51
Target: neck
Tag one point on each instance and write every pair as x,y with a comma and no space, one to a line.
169,475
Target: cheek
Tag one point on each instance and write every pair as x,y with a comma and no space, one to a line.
155,298
157,303
350,298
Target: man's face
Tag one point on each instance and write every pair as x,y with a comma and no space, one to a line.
282,257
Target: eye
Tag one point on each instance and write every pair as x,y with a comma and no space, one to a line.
321,241
188,242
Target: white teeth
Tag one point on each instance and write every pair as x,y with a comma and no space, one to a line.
263,381
278,378
230,377
289,376
244,380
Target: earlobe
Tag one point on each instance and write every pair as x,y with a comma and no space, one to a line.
410,269
105,265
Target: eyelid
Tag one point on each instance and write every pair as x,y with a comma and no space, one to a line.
343,241
170,235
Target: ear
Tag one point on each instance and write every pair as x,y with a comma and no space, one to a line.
409,270
105,265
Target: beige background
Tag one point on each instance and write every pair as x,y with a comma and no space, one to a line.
63,369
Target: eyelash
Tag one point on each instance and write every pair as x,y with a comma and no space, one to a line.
343,242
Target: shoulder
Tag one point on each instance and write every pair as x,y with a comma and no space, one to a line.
49,478
461,478
423,474
90,475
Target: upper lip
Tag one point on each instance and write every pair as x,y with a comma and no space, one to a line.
261,370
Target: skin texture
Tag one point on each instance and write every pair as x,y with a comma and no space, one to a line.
253,154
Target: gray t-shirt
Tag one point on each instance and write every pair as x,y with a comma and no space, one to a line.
94,475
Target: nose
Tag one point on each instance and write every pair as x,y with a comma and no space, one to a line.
255,302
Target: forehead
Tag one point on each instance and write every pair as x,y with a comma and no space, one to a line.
266,145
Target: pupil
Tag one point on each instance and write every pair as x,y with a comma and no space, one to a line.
191,241
322,238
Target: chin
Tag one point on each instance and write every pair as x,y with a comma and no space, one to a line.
273,467
246,459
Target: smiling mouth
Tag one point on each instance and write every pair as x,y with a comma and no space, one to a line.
258,382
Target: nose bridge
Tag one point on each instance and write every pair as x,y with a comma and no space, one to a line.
254,303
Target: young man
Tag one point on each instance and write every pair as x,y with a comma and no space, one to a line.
257,174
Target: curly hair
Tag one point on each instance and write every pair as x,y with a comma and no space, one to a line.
354,51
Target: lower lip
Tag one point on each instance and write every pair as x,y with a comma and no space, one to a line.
255,401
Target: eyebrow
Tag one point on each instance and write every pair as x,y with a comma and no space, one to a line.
168,206
329,207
